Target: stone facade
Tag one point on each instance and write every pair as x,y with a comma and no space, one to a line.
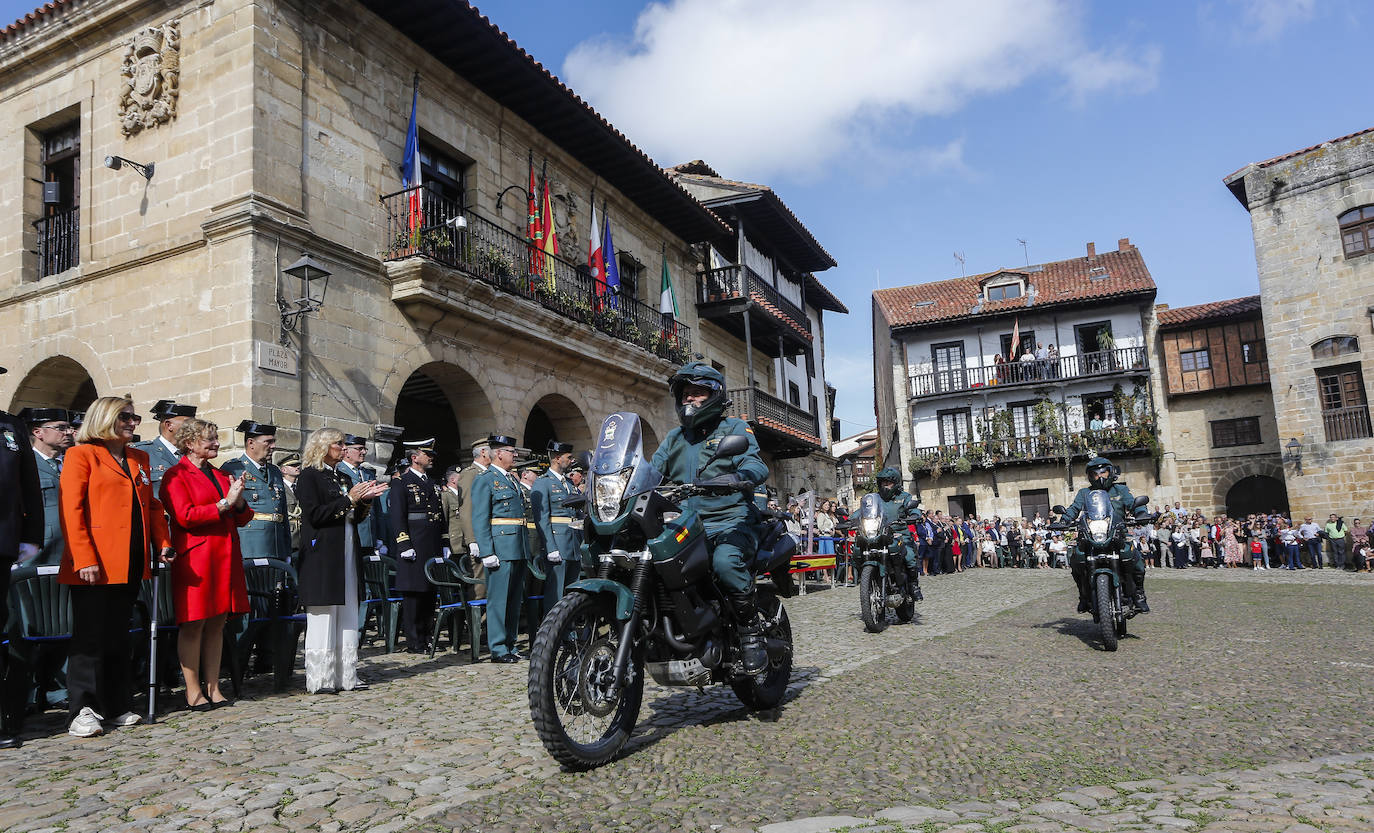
1206,474
1312,291
1004,499
288,131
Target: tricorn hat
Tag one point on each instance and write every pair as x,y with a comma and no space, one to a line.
38,416
354,439
168,408
555,447
76,418
249,429
501,441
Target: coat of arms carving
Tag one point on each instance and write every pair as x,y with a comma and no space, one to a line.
152,72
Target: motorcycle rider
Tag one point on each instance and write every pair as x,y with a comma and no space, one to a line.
731,520
897,505
1102,475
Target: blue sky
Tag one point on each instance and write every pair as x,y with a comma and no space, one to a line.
902,131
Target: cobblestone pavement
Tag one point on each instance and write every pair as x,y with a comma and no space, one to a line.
994,694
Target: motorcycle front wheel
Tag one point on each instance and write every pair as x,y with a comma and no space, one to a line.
872,599
582,719
766,690
1107,613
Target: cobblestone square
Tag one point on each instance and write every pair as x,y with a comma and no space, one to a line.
1241,703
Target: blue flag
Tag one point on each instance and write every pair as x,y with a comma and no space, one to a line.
612,266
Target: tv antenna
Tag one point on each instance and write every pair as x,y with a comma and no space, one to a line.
1024,251
959,256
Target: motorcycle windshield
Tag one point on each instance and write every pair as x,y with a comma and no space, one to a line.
871,507
1099,506
620,446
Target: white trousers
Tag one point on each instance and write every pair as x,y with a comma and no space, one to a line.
331,637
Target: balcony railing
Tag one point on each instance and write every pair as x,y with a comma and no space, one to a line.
1038,372
742,282
57,241
753,405
1131,439
508,261
1347,423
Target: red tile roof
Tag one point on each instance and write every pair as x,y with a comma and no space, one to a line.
762,300
775,425
1198,313
1118,274
26,22
1277,159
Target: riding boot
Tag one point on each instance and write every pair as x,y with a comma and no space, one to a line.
752,647
1139,601
915,586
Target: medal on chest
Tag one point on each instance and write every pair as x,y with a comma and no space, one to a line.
10,441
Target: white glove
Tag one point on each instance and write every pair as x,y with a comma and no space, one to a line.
408,555
381,549
472,549
555,558
27,552
491,562
447,552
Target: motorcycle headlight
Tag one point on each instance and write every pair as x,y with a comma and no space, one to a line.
1098,529
871,527
610,488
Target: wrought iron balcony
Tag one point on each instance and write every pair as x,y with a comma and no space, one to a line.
1030,373
1347,423
1124,441
57,241
722,294
417,224
782,427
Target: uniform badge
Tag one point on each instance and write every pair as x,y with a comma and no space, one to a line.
144,476
10,441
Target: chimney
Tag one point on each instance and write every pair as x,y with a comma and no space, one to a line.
1124,245
1092,251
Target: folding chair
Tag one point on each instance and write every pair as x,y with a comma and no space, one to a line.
382,602
273,611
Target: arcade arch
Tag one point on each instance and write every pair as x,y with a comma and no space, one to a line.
56,382
443,401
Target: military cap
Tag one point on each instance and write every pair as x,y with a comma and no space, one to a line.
500,441
427,446
577,465
38,416
77,417
248,428
555,447
291,459
168,408
535,465
354,439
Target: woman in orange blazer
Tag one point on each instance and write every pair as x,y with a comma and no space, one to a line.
207,508
110,517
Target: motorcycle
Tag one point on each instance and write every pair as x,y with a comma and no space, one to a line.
652,608
883,581
1106,539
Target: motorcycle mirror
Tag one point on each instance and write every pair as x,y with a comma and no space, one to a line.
1142,500
1058,510
729,446
575,502
585,459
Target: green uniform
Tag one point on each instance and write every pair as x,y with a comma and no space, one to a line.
160,458
268,535
897,509
557,532
731,520
499,514
49,475
1133,564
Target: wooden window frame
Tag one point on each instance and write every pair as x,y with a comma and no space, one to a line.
1233,433
966,414
1357,231
1186,356
1335,347
1253,352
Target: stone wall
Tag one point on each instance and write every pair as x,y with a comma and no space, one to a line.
1206,473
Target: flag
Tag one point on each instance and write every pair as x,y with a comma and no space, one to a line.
612,284
534,232
410,169
667,303
1015,340
596,258
550,240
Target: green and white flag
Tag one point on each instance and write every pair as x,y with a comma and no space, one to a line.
667,303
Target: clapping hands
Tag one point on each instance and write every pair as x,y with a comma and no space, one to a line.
235,490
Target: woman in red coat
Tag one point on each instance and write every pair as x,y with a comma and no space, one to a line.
207,507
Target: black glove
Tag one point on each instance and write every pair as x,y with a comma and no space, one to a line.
726,481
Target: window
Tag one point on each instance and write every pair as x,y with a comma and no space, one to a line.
1232,432
1252,352
630,272
1329,348
1357,231
1100,405
794,394
58,225
1002,292
444,176
948,359
1022,418
815,405
1345,410
1035,502
1027,337
955,426
1190,360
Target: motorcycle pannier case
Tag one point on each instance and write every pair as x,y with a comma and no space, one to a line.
680,554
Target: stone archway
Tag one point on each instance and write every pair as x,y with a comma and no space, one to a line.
1256,494
651,439
1268,468
555,417
55,382
443,401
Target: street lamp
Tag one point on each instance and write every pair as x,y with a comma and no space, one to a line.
1292,454
316,281
114,163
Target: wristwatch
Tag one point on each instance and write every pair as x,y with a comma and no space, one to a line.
222,504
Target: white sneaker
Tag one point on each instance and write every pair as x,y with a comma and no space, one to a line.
86,724
127,719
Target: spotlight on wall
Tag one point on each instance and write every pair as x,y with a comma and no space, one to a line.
114,163
457,222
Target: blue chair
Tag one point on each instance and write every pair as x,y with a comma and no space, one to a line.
383,603
274,615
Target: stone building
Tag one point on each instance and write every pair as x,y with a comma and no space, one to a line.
1222,441
982,431
1312,213
856,466
274,129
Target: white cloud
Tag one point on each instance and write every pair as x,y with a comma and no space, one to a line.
1266,19
766,87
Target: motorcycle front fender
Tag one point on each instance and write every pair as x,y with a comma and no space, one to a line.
624,599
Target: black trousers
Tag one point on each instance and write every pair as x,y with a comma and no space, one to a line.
101,653
417,618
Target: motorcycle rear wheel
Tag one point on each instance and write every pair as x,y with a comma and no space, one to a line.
1107,614
766,690
872,599
575,641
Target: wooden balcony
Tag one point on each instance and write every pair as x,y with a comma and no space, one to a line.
1122,360
777,326
1347,423
782,429
1125,441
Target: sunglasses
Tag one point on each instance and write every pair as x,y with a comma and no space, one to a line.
127,417
64,428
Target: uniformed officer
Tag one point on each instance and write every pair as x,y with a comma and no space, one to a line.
481,460
453,513
162,449
268,535
899,505
498,521
51,434
355,453
557,532
417,520
21,534
1102,476
527,472
290,465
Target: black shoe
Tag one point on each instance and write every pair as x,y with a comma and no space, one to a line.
1140,603
919,596
753,650
1085,606
10,741
506,659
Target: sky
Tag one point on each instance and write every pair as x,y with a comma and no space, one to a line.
904,132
